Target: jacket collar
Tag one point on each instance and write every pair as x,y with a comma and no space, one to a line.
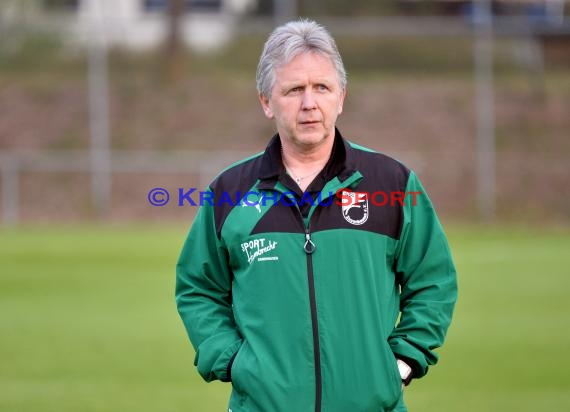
340,164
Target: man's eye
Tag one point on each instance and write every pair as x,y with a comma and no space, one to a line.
296,89
322,87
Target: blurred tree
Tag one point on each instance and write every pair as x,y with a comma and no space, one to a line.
18,9
173,47
61,4
361,8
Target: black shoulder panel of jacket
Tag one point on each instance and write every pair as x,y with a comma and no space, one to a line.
384,181
231,185
280,217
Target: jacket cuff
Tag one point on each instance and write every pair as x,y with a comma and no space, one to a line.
226,376
416,367
411,355
229,368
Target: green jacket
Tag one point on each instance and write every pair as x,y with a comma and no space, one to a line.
305,308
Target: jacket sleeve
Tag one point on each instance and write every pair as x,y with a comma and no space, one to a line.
428,285
203,298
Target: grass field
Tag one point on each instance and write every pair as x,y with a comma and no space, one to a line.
88,323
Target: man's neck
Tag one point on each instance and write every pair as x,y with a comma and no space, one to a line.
303,164
306,157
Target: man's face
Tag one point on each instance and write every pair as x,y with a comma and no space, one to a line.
305,101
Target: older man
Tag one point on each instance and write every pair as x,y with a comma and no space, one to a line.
329,285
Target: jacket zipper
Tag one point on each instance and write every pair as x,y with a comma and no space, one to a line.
309,247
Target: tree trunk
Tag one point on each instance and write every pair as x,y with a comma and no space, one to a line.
174,48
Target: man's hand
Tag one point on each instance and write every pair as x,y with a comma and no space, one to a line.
405,372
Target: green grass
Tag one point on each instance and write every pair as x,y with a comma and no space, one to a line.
89,324
506,350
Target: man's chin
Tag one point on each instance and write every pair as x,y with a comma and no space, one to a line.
311,138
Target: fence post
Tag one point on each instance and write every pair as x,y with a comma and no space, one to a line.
10,191
484,107
99,110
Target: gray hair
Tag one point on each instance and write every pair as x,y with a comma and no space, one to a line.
290,40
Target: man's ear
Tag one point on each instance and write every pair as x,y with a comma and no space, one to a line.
266,106
342,97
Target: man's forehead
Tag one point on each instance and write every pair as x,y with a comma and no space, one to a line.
303,55
297,66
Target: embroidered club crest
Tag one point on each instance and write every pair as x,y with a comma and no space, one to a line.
355,210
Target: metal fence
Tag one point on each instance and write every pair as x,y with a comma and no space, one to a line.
100,162
204,164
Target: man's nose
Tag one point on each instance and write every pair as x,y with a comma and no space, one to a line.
309,101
